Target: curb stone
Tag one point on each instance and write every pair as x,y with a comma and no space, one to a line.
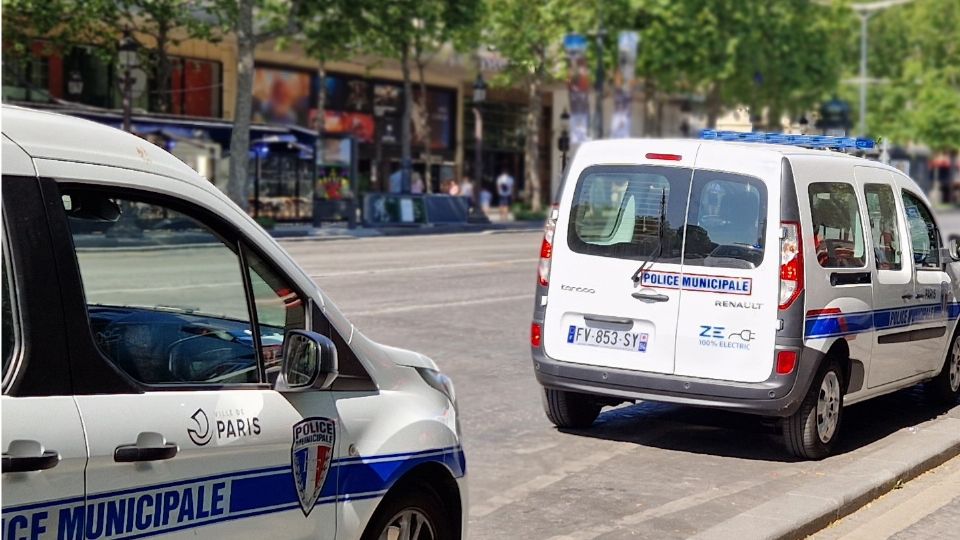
816,504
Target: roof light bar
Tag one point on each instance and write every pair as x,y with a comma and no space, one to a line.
809,141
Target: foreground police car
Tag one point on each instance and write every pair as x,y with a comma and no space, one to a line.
764,278
168,369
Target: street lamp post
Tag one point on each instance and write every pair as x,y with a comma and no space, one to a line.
127,54
865,11
563,142
479,96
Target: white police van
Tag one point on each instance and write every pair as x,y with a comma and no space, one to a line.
770,278
168,370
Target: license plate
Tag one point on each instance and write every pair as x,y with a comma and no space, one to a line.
610,339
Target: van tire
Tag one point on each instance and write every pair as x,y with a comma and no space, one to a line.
944,389
569,410
800,430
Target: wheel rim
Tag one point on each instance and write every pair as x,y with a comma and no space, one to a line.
828,407
409,524
953,370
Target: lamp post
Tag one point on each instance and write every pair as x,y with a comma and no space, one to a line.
479,96
127,55
563,142
865,11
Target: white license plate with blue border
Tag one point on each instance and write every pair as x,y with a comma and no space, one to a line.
609,339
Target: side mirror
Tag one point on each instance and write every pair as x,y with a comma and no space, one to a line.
953,247
309,362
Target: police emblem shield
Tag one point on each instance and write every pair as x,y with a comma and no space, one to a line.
310,455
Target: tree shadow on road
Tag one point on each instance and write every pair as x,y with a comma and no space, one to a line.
745,436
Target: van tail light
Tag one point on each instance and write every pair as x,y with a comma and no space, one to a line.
791,263
536,334
786,362
546,247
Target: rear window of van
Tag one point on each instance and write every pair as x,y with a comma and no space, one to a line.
617,210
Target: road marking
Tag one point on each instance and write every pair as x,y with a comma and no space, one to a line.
166,288
629,522
416,307
521,491
402,269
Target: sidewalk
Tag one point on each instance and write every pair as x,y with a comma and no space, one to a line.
824,499
339,231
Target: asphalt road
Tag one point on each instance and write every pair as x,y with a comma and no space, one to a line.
642,471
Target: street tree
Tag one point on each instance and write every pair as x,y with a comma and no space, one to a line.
412,31
529,36
166,23
251,22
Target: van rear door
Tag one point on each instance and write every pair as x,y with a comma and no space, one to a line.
727,319
610,224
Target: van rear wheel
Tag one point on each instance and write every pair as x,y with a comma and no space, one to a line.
569,409
945,388
810,433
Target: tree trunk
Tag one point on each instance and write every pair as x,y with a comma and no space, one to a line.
240,137
713,107
405,139
162,100
425,125
532,151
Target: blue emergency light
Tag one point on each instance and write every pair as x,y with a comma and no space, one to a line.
807,141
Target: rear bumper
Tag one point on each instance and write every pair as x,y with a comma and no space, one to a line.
780,395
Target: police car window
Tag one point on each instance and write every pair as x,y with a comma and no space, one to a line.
279,308
884,226
616,212
924,236
727,221
165,294
837,229
10,332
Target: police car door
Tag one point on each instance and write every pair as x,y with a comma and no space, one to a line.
893,288
728,306
44,452
186,434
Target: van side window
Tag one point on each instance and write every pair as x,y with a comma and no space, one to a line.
924,236
727,222
616,212
165,294
837,229
884,226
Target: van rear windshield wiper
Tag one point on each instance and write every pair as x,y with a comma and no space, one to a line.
658,251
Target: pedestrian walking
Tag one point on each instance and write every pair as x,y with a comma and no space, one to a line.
504,193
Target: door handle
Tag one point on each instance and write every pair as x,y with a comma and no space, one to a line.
907,296
599,320
650,297
26,456
149,447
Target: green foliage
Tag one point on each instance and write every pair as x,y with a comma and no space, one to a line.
914,51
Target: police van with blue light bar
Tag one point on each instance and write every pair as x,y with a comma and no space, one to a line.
169,370
758,272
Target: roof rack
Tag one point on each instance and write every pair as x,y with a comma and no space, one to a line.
807,141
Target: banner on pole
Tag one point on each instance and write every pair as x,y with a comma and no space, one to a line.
578,86
623,84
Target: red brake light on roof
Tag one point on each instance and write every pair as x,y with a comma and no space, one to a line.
546,247
791,263
786,362
536,335
665,157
